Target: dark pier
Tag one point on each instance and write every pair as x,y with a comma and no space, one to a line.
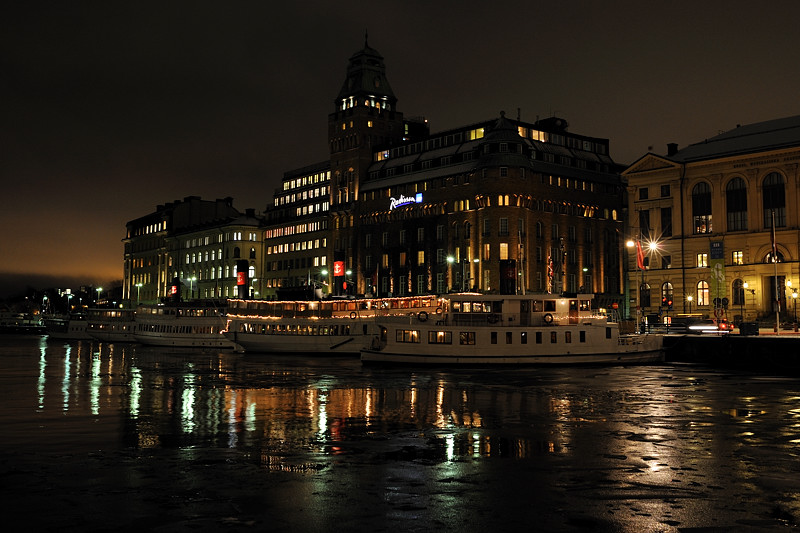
765,353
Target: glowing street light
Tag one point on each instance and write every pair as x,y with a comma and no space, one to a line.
689,299
138,287
191,286
99,290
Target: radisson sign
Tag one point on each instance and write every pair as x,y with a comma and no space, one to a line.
405,200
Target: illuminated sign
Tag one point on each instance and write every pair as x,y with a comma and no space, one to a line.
173,290
405,200
338,268
241,278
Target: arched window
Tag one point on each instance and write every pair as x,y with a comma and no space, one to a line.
252,253
701,208
666,291
702,293
737,288
736,204
236,252
769,259
774,200
539,230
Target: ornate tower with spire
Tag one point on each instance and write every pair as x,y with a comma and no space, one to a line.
365,117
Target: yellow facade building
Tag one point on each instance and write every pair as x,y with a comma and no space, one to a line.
702,217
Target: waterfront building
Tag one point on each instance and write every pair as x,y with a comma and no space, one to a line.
192,238
500,205
296,232
718,223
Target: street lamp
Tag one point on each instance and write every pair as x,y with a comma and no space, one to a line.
99,290
191,286
794,299
689,299
138,287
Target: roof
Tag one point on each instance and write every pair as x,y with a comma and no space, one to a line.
758,137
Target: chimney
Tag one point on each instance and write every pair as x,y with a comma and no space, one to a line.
672,149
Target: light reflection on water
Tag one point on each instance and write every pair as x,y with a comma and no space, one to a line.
653,435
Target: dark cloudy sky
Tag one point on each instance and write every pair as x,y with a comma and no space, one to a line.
111,108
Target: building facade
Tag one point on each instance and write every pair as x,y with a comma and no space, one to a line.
499,205
717,223
195,241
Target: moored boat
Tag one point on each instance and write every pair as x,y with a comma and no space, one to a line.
111,325
68,327
317,327
543,329
21,323
191,324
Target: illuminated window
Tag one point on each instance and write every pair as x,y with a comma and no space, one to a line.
702,260
737,257
466,337
701,208
702,293
421,257
503,251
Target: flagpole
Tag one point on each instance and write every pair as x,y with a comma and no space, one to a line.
775,264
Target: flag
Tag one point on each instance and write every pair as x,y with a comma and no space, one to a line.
639,256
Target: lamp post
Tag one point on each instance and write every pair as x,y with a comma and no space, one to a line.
99,290
191,286
794,299
689,299
324,272
138,287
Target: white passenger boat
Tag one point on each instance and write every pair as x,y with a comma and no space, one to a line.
317,326
542,329
111,325
67,327
192,324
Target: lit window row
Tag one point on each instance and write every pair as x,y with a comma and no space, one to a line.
304,181
296,246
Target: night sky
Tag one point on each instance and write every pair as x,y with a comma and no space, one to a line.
110,109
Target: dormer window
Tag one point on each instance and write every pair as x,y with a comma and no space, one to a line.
504,147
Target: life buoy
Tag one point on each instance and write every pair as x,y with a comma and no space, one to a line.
353,315
438,310
548,318
493,318
422,316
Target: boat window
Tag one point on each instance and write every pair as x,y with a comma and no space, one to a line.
509,337
608,333
407,335
582,336
538,306
456,306
467,337
568,336
523,337
586,305
538,337
549,305
440,337
553,337
494,337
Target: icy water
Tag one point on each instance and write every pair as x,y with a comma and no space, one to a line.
103,437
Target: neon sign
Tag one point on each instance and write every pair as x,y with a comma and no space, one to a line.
405,200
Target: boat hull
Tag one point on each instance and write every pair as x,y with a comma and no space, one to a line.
611,358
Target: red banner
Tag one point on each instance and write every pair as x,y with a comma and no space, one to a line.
241,278
338,268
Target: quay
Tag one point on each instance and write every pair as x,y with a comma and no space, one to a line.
768,352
